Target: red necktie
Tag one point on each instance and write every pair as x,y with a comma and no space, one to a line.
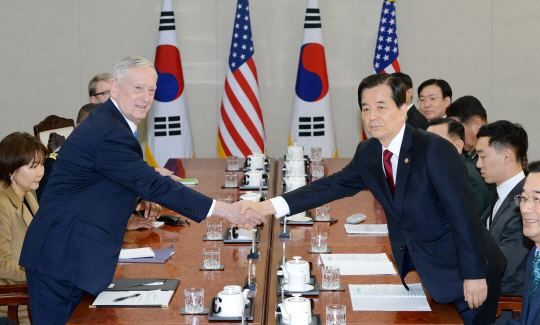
387,155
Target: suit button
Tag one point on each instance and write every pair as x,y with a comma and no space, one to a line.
404,227
402,249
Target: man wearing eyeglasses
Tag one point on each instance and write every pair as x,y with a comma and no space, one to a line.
434,95
501,147
99,88
529,203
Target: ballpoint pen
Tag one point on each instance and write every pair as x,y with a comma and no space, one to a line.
188,222
124,298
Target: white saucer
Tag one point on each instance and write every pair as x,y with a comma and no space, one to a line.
299,219
307,287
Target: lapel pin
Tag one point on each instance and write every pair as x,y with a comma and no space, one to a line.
406,160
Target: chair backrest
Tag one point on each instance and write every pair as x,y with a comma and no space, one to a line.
53,123
512,303
13,296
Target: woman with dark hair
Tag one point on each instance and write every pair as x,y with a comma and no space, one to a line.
21,169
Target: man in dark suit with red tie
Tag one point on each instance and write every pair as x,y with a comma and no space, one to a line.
423,186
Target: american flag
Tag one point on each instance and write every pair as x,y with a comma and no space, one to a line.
241,127
386,52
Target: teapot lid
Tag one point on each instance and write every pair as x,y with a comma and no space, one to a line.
297,260
296,297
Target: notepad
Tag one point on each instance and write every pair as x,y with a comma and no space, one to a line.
388,297
367,229
360,264
128,253
153,298
189,181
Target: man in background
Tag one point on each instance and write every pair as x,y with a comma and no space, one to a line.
454,132
434,95
99,88
501,147
414,117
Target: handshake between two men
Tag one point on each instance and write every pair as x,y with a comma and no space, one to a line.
244,214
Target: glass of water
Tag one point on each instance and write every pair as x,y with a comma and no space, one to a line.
194,300
317,168
213,229
232,163
322,213
316,153
231,179
330,277
319,241
212,257
336,315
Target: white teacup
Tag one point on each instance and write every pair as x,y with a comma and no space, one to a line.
254,177
256,161
297,265
230,303
296,151
293,307
295,181
299,318
295,166
297,281
255,197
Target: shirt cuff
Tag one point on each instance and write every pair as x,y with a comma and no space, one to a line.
211,208
281,206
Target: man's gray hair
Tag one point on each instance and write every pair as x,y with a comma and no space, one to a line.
99,77
121,71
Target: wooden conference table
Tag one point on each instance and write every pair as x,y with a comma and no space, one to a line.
188,246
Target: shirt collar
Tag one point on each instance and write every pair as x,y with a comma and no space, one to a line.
131,124
504,189
395,144
409,107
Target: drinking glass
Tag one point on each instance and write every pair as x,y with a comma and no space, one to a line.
231,179
224,198
319,241
212,258
194,300
213,229
323,212
316,153
232,163
330,277
336,315
317,168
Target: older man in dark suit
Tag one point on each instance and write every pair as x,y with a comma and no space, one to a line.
423,186
73,243
529,203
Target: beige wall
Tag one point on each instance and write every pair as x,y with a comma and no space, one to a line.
49,50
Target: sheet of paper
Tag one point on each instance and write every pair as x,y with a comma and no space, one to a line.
367,229
160,256
388,297
145,298
128,253
157,224
360,264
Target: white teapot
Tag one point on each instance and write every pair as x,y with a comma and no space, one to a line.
297,265
254,177
295,181
256,161
295,151
295,166
295,308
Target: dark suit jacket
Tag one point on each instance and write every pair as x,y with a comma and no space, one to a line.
480,190
78,231
48,165
507,230
416,119
529,316
433,215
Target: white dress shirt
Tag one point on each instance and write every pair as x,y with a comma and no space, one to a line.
504,189
282,208
133,128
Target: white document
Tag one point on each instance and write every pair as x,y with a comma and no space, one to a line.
127,253
360,264
137,298
388,297
367,229
157,224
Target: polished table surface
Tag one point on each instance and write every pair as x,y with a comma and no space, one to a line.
188,245
184,264
342,243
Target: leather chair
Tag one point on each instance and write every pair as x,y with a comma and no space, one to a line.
13,296
52,123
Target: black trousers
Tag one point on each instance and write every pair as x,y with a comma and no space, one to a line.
52,301
478,316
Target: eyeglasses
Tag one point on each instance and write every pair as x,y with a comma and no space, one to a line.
521,200
104,93
430,100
